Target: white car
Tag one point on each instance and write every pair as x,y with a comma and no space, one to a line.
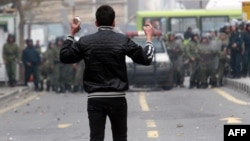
159,73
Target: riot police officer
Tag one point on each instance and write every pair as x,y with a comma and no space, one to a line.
223,56
192,52
11,57
31,60
175,49
246,55
58,67
205,61
235,47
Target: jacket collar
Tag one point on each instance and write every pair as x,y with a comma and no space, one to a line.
105,28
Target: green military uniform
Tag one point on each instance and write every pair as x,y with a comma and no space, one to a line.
67,76
192,52
206,64
10,56
223,58
186,62
57,70
41,70
175,49
78,79
215,61
48,66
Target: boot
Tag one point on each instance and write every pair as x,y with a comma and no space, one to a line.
41,86
213,84
192,85
53,88
48,87
204,85
76,88
220,83
198,85
62,89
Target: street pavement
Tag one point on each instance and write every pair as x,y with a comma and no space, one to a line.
153,115
6,91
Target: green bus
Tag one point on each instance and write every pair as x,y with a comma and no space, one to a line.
177,21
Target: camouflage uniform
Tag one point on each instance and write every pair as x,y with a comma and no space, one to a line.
46,68
78,82
67,76
206,62
175,49
192,52
10,56
223,59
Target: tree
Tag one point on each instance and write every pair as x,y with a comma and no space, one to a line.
22,6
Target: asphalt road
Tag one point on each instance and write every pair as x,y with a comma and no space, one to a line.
176,115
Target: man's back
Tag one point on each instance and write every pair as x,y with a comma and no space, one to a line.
105,76
104,54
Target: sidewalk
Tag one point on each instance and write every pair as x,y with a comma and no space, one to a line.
6,91
241,84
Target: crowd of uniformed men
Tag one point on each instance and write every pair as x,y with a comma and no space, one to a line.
205,58
210,57
43,69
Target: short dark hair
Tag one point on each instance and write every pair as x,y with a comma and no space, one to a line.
11,36
105,15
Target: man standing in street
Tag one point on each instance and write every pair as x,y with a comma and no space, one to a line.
105,76
31,60
11,57
235,47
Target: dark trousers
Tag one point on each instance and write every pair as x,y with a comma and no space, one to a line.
246,63
101,108
32,70
236,64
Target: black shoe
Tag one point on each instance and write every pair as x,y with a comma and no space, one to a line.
220,83
182,86
191,86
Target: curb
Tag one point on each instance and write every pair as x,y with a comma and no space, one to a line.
236,85
13,93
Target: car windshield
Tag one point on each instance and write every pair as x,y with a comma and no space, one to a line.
159,48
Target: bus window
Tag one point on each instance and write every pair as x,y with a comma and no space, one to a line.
180,24
156,22
211,22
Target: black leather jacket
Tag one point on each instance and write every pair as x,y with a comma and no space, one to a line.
104,55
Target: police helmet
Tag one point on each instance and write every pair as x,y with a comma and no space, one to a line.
206,36
179,36
227,25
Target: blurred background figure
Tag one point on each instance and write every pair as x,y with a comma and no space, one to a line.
46,68
38,46
31,60
192,52
58,68
223,57
78,85
235,46
175,50
11,57
246,55
205,70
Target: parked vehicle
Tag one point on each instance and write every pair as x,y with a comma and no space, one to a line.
159,73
